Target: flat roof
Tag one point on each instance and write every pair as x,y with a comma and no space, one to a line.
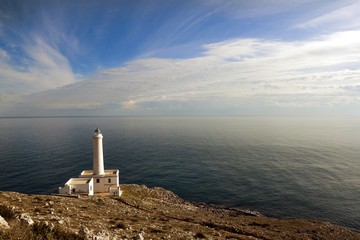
107,172
78,181
87,172
111,171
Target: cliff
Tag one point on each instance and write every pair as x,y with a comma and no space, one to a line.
146,213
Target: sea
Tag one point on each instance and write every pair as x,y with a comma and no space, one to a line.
288,167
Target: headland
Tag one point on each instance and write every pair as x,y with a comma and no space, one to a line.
147,213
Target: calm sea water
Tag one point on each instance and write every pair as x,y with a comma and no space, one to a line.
283,167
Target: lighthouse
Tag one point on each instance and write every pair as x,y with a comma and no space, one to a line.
98,180
98,158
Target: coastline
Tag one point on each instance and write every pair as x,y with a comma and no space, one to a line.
156,213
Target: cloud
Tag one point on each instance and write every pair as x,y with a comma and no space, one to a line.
48,61
235,76
44,68
128,104
255,8
344,16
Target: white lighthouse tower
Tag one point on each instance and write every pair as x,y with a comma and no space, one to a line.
98,180
98,158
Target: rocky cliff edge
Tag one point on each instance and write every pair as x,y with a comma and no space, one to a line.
146,213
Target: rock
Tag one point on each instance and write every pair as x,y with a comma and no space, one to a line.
84,231
153,214
101,236
139,237
3,223
54,218
25,217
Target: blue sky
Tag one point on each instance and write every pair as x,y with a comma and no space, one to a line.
163,57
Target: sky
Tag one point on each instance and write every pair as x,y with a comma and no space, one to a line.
186,57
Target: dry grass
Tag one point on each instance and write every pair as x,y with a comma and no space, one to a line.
7,212
154,212
38,231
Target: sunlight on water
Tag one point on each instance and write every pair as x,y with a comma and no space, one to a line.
289,167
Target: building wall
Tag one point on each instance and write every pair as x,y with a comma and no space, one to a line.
103,183
72,188
91,187
65,190
114,180
79,188
115,191
99,185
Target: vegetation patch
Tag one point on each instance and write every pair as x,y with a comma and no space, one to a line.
256,224
7,212
38,231
153,212
121,225
43,230
200,235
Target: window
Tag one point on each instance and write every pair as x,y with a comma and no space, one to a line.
97,180
109,180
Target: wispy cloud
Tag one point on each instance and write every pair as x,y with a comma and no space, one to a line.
243,9
45,68
343,16
203,56
233,75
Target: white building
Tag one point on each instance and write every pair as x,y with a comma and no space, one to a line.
97,180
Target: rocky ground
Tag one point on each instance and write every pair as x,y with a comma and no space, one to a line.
146,213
